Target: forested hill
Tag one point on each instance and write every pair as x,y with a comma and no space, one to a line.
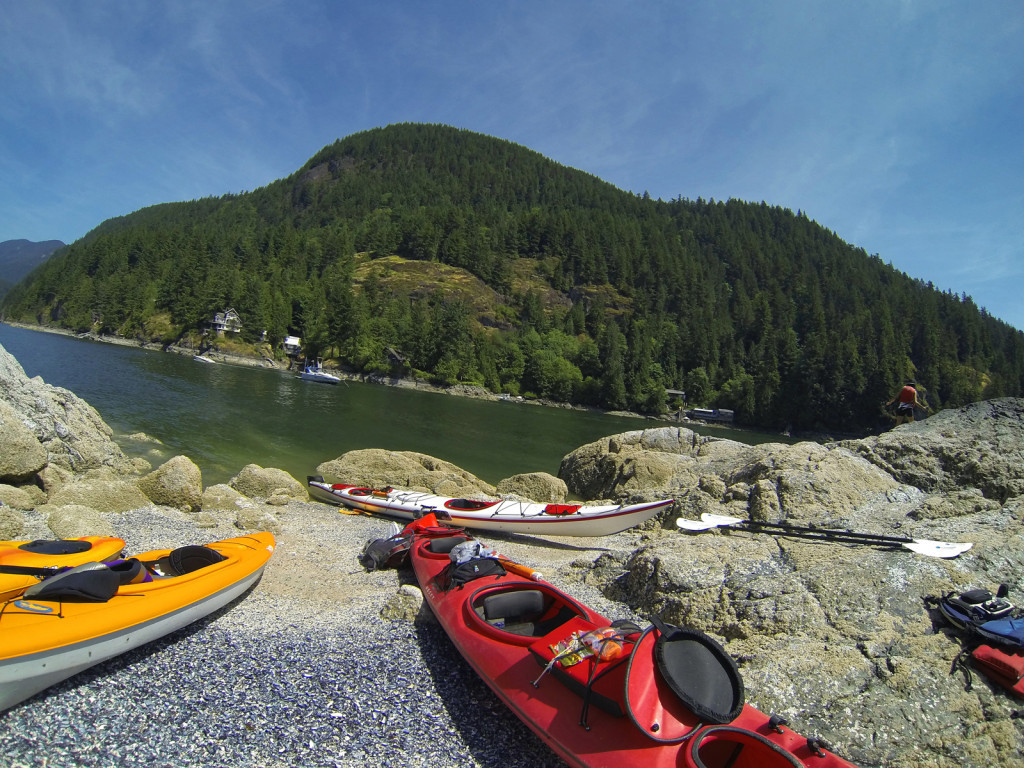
419,249
19,257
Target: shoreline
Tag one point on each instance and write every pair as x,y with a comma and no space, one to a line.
457,390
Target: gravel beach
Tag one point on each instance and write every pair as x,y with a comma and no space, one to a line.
303,671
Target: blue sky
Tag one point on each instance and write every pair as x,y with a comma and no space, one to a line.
898,124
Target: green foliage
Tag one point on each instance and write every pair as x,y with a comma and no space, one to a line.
553,283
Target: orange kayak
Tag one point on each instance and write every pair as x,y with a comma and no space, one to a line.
86,615
19,558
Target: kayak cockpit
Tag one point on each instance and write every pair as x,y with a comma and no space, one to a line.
519,613
468,505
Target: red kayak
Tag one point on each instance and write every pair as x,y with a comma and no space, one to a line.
600,694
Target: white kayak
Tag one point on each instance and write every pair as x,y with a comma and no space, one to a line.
498,515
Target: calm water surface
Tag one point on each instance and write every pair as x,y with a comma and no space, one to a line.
225,416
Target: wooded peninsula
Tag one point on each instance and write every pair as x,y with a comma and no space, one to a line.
426,250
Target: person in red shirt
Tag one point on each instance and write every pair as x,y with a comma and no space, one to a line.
908,401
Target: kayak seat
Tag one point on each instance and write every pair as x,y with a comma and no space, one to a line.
524,612
444,544
516,612
187,559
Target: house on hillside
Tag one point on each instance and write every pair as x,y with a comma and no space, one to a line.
292,346
227,322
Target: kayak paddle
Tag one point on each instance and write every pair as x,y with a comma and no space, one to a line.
943,549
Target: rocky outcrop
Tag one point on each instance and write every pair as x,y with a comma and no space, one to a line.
56,428
376,468
58,460
838,638
978,446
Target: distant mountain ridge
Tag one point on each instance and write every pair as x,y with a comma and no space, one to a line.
434,251
19,257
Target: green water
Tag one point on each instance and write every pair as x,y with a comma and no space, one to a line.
224,416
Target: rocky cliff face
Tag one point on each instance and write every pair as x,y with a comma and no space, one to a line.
42,425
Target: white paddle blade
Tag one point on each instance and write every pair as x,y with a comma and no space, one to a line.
943,549
694,525
707,517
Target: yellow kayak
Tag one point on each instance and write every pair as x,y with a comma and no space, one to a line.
18,559
88,614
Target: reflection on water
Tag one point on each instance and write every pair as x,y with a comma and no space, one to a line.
224,417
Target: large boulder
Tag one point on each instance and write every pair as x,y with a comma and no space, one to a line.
21,454
177,483
70,521
16,497
376,468
534,486
101,491
802,482
224,498
12,523
259,482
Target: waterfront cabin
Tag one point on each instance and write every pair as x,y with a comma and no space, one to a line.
292,346
227,322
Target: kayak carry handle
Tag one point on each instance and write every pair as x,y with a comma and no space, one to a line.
775,722
817,746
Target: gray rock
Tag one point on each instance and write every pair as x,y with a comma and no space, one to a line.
222,497
21,454
978,446
258,482
17,497
70,521
176,483
105,492
257,518
12,523
534,486
376,468
406,604
70,430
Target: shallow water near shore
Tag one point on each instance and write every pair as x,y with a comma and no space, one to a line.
225,416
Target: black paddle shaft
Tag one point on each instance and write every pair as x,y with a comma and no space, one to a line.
827,534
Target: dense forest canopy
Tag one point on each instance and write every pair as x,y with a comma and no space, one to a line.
428,250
